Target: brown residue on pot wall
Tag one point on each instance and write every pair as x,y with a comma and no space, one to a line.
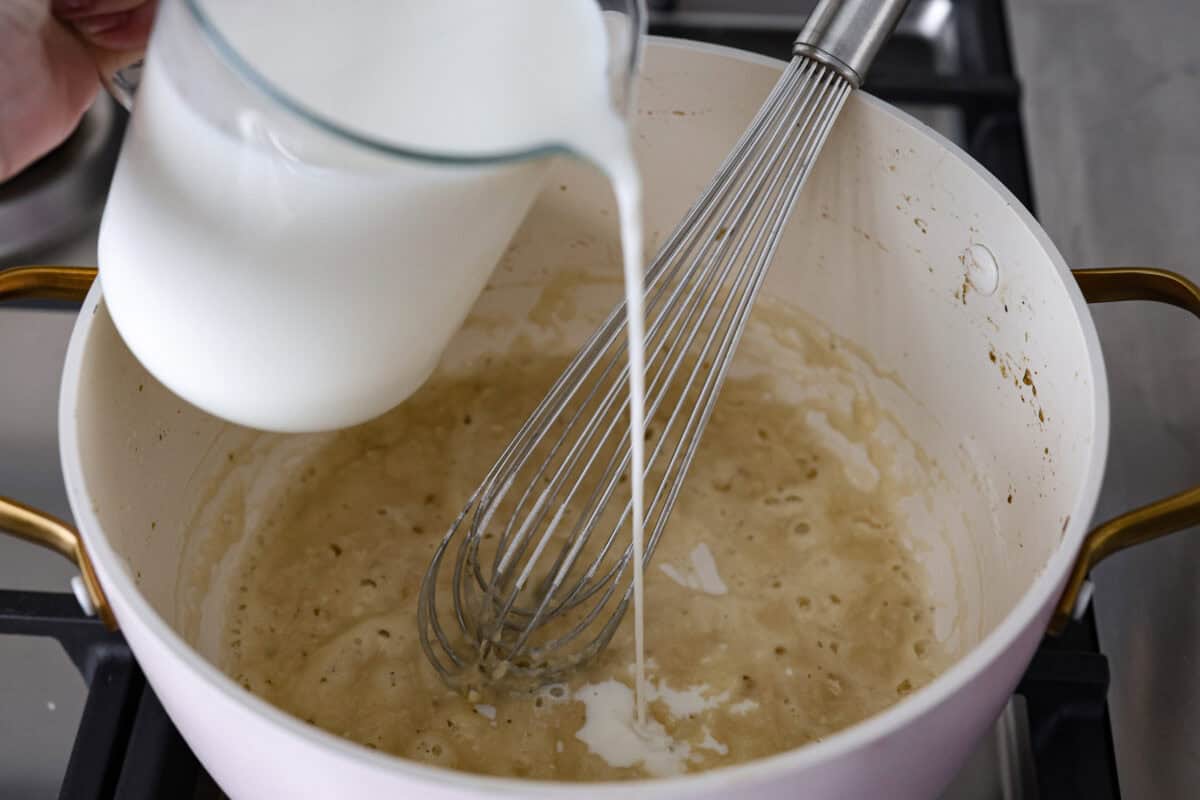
1022,376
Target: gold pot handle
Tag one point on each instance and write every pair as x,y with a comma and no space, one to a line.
1108,285
1175,513
41,528
46,283
52,283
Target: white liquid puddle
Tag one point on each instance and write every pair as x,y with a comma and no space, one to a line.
853,456
702,576
743,707
611,731
710,743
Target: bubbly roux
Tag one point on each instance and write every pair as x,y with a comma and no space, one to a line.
784,602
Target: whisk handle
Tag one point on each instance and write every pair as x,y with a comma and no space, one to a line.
846,34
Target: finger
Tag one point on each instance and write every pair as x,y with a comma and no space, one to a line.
47,81
77,9
119,30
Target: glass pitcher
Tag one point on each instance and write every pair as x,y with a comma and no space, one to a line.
262,259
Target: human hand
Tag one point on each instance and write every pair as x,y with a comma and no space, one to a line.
50,54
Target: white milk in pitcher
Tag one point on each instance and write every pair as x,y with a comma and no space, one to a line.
289,278
293,279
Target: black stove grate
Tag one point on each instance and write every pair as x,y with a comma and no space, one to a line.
1065,690
127,748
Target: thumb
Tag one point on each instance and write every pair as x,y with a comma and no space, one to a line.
47,81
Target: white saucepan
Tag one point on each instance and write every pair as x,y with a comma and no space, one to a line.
901,244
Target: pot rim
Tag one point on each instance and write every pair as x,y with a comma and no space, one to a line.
119,585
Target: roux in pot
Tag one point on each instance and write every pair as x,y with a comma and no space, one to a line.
785,601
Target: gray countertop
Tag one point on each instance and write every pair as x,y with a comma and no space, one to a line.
1112,116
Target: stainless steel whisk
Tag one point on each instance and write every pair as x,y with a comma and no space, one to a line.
534,590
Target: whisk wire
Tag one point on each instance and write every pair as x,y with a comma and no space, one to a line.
571,454
670,367
710,253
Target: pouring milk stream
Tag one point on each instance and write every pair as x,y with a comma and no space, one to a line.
290,277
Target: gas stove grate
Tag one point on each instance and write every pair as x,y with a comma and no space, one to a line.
127,748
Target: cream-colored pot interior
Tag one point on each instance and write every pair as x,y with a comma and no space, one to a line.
1003,391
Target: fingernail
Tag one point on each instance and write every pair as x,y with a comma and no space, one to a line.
73,7
102,23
